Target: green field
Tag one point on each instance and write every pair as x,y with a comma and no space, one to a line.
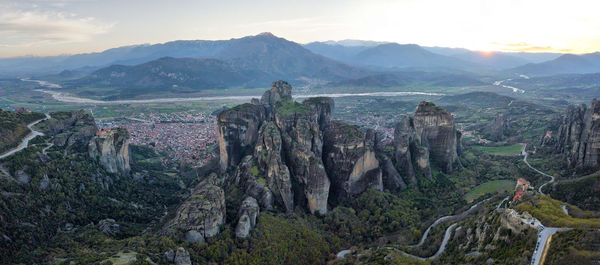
489,187
509,150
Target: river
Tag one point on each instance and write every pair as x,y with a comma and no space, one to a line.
63,97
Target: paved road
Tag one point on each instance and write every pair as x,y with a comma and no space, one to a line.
524,154
544,233
25,141
500,204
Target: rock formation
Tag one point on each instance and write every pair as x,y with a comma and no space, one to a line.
287,154
246,217
495,129
302,145
277,175
238,131
69,128
202,213
111,148
182,257
579,136
248,177
429,137
436,131
350,160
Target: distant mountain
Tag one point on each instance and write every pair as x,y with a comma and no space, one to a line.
246,62
354,43
177,75
385,56
336,51
127,55
407,56
565,64
495,60
283,59
395,55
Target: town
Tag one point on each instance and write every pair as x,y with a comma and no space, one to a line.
189,137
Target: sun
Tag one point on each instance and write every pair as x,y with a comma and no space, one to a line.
487,53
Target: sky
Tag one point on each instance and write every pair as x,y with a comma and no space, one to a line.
56,27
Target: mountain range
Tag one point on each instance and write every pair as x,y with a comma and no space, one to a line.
193,65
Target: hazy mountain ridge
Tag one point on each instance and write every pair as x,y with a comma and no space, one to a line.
565,64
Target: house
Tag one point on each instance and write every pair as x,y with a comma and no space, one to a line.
518,196
522,185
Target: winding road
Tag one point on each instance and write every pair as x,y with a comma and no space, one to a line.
25,141
544,233
524,154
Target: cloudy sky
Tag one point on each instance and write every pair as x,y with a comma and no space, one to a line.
52,27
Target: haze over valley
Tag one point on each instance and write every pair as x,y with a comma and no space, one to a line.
362,132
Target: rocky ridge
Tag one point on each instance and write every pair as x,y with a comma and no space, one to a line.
578,137
278,155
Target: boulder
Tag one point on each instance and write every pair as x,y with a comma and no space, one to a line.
203,211
194,236
246,217
109,226
182,257
44,182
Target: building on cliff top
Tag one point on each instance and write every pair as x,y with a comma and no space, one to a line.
104,132
522,185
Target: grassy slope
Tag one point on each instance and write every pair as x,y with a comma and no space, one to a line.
489,187
550,213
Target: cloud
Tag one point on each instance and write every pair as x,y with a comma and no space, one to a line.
527,47
26,27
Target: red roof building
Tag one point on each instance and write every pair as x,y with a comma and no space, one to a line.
518,196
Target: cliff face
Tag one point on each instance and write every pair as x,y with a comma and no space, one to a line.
428,137
579,136
238,131
350,160
435,129
287,154
277,175
302,147
287,166
111,148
